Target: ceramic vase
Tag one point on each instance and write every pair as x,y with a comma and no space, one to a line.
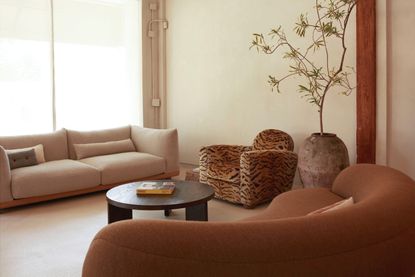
321,158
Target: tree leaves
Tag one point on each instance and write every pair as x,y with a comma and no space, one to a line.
328,29
301,26
333,16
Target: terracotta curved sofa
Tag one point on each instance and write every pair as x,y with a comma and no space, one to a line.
151,154
373,237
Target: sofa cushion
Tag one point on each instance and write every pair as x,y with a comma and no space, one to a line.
22,158
53,177
82,137
338,205
103,148
54,144
122,167
228,171
298,202
38,151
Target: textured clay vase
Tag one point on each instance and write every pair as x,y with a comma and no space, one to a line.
321,158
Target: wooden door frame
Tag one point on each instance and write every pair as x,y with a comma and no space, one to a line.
366,81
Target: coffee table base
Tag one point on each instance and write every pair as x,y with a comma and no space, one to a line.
167,212
195,213
116,214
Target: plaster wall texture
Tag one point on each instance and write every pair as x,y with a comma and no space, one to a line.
398,142
217,91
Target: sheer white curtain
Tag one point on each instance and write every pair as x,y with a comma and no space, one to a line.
25,67
97,58
97,64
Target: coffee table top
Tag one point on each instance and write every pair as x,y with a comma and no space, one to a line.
185,194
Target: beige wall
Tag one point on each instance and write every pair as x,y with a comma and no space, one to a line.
396,93
217,89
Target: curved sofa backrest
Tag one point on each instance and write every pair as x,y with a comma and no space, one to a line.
54,144
364,181
373,237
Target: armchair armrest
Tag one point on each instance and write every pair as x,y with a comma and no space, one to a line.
265,174
5,177
159,142
213,157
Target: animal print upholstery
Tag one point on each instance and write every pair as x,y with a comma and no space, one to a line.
265,174
247,175
222,161
272,139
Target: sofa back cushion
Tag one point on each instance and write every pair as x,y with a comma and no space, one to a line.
54,144
333,207
87,150
85,137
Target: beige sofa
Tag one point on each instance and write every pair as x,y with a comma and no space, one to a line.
375,236
81,162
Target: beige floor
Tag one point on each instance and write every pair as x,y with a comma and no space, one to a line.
51,239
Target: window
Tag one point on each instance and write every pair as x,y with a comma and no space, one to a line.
25,67
96,63
95,58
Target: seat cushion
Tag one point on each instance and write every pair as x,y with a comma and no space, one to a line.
53,177
225,171
122,167
298,202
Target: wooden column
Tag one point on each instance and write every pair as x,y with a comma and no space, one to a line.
366,81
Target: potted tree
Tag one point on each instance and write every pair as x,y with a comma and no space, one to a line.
323,155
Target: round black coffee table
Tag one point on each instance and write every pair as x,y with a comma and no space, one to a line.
193,196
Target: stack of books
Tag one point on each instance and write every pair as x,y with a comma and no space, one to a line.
155,188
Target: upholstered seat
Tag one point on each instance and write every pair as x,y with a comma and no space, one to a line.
250,175
296,203
121,167
226,171
52,177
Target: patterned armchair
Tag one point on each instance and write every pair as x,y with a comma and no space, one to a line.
250,175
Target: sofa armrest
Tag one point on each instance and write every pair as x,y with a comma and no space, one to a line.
5,177
265,174
159,142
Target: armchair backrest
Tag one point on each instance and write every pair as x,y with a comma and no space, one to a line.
272,139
